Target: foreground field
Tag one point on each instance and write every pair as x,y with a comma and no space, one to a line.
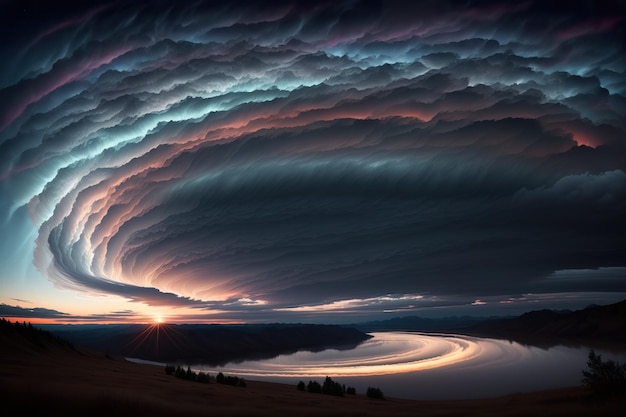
55,379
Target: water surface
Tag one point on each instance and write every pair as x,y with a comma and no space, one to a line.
428,366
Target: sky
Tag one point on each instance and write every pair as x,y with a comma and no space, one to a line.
333,161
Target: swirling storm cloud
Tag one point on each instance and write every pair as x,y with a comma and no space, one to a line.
281,160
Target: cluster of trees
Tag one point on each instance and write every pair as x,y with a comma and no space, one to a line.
35,335
376,393
230,380
329,387
605,378
203,377
188,374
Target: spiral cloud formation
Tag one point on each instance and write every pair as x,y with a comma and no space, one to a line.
273,158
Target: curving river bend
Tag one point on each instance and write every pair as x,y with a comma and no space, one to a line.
428,366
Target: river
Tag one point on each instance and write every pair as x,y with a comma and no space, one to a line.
427,366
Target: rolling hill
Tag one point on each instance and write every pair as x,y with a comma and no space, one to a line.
42,374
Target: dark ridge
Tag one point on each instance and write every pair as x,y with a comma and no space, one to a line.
30,340
419,324
210,344
594,325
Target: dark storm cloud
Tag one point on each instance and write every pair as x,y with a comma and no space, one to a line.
351,156
8,311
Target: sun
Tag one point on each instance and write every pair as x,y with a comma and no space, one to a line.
158,320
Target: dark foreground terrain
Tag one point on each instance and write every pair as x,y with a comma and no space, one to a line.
44,375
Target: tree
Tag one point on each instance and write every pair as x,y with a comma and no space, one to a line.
314,386
180,372
190,375
220,378
331,387
351,391
373,392
604,378
301,386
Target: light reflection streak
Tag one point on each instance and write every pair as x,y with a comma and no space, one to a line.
427,366
384,354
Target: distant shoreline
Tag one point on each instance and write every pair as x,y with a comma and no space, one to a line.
566,364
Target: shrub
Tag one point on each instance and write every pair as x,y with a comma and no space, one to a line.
374,393
604,378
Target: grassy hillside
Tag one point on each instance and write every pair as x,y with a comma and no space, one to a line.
43,375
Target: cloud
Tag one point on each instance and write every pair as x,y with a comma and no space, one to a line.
245,158
39,313
8,311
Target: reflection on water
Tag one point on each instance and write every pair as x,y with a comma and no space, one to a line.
427,366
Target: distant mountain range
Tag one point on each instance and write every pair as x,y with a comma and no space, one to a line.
209,344
219,344
420,324
592,325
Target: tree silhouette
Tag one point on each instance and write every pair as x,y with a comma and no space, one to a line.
314,386
605,378
373,392
331,387
34,335
190,375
